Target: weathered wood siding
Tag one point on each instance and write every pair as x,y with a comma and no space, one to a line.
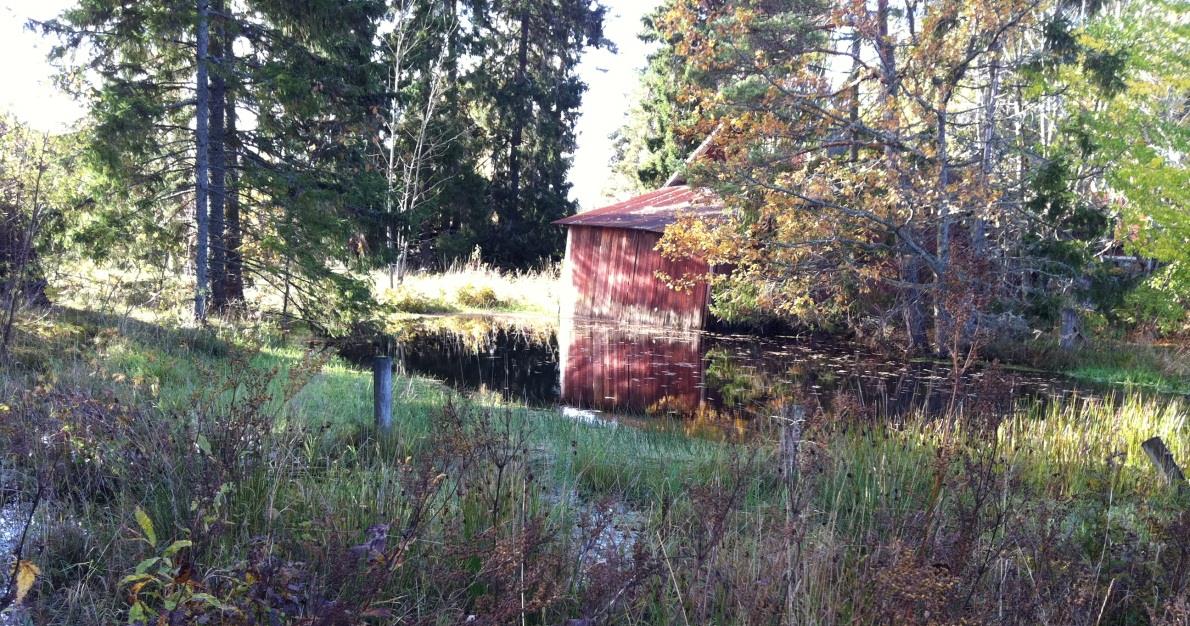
611,276
612,368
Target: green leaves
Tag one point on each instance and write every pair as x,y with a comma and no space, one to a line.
203,444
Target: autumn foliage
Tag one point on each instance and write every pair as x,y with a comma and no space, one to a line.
882,161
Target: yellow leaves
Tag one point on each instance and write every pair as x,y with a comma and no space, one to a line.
759,58
693,237
26,574
135,588
146,525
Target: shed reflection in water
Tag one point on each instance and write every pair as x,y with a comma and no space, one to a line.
612,369
633,373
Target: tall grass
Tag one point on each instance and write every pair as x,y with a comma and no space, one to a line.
472,286
261,454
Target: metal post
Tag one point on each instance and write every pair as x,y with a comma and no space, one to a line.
382,392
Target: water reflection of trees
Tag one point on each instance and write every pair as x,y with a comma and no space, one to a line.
518,361
709,382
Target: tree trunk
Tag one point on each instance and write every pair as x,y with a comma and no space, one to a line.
911,266
512,202
1069,331
916,326
988,154
853,106
202,140
943,317
397,49
218,164
233,271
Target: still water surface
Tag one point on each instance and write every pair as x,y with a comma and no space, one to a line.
634,372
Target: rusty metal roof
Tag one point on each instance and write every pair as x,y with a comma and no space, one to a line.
652,211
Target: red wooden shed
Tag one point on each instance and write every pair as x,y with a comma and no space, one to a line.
611,269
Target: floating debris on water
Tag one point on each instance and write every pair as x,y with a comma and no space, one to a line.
595,367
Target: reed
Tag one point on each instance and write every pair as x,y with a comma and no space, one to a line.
471,287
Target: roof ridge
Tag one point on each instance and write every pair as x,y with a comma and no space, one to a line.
651,211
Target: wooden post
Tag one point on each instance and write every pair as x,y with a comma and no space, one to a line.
382,392
1163,459
793,421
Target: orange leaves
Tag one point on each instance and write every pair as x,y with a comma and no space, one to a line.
850,142
713,242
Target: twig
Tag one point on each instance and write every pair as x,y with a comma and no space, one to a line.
10,591
673,577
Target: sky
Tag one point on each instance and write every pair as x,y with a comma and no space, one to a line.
612,80
29,91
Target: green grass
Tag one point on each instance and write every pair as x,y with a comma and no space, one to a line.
263,454
1132,376
1159,368
1144,366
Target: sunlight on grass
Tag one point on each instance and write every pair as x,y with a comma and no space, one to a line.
471,287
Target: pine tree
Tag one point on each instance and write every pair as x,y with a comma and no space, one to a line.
307,78
660,132
528,94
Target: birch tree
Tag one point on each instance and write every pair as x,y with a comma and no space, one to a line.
411,140
37,188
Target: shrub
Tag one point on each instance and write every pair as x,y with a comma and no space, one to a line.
408,300
478,297
1158,305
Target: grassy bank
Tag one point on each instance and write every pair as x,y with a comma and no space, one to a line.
234,476
1143,366
471,287
1161,368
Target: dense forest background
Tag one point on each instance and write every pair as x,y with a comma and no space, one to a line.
934,174
285,144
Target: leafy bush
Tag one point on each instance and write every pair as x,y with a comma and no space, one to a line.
407,300
1159,304
479,297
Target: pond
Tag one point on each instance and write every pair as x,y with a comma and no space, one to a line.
609,371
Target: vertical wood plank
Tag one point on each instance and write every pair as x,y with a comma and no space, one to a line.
612,273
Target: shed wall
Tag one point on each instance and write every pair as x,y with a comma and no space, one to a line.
612,277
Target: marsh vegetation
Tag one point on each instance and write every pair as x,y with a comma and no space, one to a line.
234,476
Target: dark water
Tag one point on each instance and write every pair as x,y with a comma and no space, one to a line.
637,372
